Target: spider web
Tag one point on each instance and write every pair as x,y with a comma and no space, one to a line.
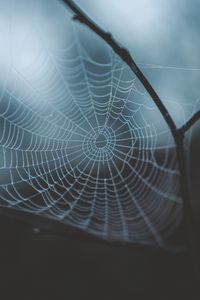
81,141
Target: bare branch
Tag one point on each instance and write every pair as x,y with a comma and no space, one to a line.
126,57
190,123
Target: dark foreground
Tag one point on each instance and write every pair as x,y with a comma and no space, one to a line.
34,266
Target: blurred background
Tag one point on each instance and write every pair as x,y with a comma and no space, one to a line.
35,263
39,265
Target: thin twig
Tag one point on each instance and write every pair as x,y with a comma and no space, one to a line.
124,54
190,122
128,59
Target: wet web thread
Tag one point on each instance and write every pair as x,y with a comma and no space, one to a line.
82,142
